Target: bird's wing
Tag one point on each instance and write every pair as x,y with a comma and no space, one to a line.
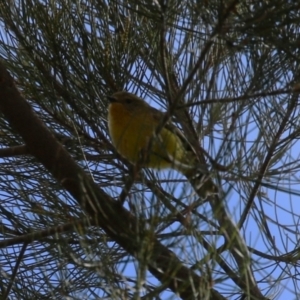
158,117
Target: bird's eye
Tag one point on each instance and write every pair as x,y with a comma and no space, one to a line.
128,101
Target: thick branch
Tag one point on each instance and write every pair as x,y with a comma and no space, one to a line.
118,223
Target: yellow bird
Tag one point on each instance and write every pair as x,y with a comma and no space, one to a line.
132,124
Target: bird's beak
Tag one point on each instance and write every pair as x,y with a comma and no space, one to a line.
111,99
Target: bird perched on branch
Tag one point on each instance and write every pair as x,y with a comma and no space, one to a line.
134,127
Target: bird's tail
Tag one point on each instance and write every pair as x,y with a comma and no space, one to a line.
201,181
